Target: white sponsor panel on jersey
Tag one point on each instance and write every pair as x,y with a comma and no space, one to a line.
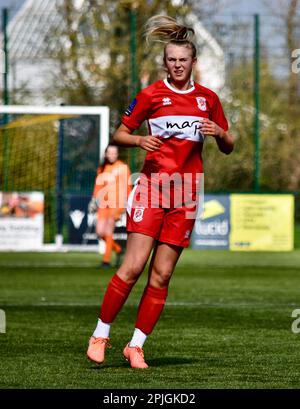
182,127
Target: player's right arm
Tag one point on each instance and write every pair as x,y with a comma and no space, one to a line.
93,205
98,185
136,113
123,136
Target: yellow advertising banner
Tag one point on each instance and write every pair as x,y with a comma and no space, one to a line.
262,222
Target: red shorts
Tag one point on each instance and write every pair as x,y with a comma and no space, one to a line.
170,224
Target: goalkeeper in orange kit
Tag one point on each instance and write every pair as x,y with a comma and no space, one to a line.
111,189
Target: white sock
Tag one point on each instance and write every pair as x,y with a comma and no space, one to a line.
138,338
102,330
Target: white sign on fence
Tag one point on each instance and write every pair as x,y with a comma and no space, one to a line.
21,220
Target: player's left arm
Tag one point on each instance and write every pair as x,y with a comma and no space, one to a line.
217,126
223,138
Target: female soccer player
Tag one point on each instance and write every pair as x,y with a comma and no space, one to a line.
180,115
109,199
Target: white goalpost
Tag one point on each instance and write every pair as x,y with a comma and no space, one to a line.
102,112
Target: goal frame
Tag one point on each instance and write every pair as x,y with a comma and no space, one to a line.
103,113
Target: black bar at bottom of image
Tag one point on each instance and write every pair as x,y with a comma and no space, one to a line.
141,397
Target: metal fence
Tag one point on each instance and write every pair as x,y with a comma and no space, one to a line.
260,90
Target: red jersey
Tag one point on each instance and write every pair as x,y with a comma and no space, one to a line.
175,117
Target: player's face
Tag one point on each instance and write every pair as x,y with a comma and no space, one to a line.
179,63
111,154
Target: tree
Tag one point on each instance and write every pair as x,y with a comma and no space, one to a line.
278,141
288,13
280,108
92,52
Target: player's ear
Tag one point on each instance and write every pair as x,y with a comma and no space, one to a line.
194,61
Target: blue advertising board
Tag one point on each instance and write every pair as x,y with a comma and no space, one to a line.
82,224
212,228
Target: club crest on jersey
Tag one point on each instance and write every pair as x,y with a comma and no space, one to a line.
166,101
138,214
201,102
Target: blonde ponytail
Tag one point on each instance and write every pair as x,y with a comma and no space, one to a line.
165,29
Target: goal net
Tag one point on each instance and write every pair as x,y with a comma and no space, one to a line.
54,151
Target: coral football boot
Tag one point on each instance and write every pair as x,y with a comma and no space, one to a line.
96,349
135,356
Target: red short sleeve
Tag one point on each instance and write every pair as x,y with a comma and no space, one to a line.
217,114
138,111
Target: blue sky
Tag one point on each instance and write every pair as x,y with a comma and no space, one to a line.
231,6
243,7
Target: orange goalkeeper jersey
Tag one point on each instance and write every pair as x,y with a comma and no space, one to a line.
112,186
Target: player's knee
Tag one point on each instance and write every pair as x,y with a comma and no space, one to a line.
130,271
134,271
100,232
161,275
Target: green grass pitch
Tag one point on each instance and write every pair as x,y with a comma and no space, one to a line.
227,323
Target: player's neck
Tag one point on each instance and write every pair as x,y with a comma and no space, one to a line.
181,86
